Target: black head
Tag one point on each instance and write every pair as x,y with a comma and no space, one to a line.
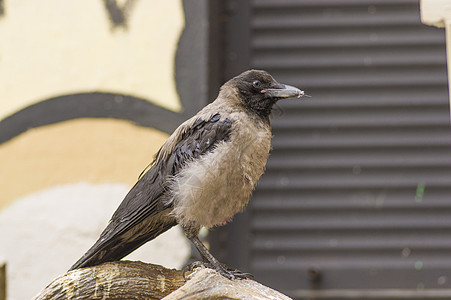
259,91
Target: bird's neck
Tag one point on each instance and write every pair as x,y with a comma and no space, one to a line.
232,98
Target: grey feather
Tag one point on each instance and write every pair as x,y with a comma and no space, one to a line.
143,215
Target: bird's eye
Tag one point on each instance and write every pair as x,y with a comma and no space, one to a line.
256,84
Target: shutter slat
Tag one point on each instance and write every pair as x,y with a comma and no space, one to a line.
327,3
359,179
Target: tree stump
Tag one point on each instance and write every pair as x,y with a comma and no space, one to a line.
137,280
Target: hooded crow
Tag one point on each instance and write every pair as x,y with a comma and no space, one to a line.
202,175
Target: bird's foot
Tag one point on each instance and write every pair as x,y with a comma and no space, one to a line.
194,265
236,274
220,268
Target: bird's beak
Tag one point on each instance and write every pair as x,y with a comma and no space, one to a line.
287,91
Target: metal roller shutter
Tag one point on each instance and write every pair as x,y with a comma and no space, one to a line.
357,193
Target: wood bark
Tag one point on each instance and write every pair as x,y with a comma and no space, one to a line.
137,280
2,280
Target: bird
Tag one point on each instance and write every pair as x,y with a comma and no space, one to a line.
202,175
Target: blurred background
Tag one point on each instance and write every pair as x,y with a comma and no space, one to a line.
355,203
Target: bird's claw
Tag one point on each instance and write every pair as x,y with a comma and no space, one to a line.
190,267
235,274
221,269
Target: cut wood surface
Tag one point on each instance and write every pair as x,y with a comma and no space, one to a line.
137,280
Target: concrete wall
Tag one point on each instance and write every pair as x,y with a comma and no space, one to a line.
87,96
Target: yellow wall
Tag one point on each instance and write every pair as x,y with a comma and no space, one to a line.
60,183
51,47
81,150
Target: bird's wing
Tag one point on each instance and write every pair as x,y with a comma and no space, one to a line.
192,139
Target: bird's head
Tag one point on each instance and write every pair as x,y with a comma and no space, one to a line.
259,91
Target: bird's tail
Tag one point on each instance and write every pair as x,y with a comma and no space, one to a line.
115,249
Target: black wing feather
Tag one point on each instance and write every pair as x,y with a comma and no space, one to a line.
143,200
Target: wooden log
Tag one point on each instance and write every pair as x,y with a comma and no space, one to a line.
2,280
115,280
206,283
137,280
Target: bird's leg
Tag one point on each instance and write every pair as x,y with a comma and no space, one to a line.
213,263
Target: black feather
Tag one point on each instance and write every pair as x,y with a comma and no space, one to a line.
215,118
144,203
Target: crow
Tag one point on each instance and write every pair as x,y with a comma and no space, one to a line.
202,175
